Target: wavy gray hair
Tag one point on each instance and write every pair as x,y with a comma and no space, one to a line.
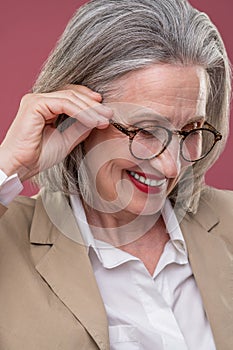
106,39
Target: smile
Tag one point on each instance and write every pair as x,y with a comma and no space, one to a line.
144,183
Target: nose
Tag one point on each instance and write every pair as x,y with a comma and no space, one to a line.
169,162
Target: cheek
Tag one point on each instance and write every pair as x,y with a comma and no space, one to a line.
106,150
106,141
106,166
107,178
92,140
105,183
184,165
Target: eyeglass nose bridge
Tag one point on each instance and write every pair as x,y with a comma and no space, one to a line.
181,136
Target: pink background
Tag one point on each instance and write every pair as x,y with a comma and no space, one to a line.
28,32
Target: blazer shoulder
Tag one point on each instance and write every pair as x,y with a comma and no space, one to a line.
221,201
17,219
217,207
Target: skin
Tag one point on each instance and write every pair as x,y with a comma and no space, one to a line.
33,144
179,93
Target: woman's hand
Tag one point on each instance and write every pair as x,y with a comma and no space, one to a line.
33,144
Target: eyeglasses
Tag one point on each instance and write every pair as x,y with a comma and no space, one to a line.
148,143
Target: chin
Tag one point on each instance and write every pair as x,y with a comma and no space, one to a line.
149,206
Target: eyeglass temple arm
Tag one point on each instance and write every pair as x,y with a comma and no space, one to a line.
119,127
218,135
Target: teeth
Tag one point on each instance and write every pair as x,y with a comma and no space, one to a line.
146,181
142,179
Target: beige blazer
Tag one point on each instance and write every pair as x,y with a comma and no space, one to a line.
49,298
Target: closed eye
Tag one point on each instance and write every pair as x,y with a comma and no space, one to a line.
147,132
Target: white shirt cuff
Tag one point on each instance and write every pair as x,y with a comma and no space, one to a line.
10,187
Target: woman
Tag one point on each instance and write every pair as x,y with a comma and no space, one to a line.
124,247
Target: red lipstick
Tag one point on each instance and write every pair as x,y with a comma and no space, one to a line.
143,187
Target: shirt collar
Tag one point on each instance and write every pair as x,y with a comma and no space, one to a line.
173,228
81,219
104,251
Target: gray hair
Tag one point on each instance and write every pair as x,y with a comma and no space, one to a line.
106,39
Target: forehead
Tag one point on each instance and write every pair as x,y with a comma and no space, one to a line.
167,91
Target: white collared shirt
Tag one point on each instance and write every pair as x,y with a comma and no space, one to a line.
163,311
10,187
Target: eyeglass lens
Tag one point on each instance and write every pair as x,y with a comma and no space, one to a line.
149,143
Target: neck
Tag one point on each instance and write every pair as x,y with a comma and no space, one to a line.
150,246
120,228
144,237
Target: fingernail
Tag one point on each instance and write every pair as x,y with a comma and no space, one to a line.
96,93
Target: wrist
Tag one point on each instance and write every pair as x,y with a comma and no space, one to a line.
10,166
7,163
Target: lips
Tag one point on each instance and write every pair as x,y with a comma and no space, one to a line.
146,183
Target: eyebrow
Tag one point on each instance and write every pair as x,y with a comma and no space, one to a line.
146,117
153,118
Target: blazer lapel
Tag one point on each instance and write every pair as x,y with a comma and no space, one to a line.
212,265
67,269
66,266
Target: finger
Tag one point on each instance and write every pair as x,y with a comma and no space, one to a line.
82,100
90,108
51,107
84,90
56,145
74,135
